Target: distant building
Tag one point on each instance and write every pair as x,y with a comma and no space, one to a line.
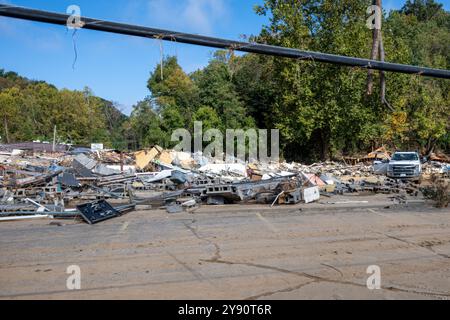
34,146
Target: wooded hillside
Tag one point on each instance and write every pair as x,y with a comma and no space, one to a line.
323,111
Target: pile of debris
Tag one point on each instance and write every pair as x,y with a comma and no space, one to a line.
78,184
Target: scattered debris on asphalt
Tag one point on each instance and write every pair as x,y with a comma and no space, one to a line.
103,184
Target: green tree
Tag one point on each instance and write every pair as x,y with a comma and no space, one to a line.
321,109
145,125
34,108
209,117
423,27
424,10
256,85
174,90
318,108
10,103
217,91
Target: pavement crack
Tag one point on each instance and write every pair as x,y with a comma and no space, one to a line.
318,279
284,290
197,275
193,230
217,255
430,248
424,293
398,239
261,266
427,247
334,268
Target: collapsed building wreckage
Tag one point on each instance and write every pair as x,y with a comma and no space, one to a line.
77,185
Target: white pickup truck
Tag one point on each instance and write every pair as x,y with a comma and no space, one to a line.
403,165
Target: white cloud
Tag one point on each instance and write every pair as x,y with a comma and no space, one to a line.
204,13
189,15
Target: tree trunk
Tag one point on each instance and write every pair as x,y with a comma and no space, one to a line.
382,73
325,145
5,122
383,76
431,144
378,51
373,56
374,53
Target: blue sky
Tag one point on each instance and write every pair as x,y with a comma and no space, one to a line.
117,67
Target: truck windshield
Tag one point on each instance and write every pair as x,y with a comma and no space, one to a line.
405,156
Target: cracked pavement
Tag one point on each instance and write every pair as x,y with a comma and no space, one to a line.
233,252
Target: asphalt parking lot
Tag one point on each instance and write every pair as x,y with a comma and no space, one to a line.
316,251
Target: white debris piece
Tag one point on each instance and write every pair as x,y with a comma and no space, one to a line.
380,167
155,176
311,194
46,216
219,169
